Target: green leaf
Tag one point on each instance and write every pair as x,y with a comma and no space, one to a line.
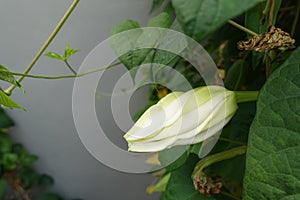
3,187
69,52
254,17
166,157
28,177
7,101
156,4
54,55
5,144
198,18
6,76
130,46
161,185
273,162
235,76
9,161
45,180
48,196
5,120
124,44
180,185
29,159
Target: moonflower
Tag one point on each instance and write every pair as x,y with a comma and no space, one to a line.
182,118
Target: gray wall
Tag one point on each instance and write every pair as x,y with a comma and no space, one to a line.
47,128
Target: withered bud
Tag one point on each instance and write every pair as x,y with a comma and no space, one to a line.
273,39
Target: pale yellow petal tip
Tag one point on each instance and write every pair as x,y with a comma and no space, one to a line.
153,160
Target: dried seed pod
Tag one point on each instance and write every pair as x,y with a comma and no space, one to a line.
273,39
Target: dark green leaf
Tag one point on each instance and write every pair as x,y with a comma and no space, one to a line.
9,161
29,159
54,55
133,46
28,177
273,162
5,144
7,101
180,185
3,187
124,44
48,196
45,180
254,17
236,75
156,4
6,76
199,18
5,120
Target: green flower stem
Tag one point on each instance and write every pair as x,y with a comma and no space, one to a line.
232,141
66,76
45,45
69,66
198,173
246,96
241,27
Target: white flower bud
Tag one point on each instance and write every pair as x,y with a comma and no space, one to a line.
182,118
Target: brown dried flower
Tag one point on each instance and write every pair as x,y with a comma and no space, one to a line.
208,185
273,39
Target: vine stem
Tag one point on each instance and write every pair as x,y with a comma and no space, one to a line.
9,90
69,66
233,23
65,76
209,160
246,96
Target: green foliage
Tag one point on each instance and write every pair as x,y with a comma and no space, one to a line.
5,75
7,101
16,169
180,185
68,52
133,46
272,167
272,170
199,18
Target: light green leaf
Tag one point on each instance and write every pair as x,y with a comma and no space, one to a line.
273,162
9,161
161,185
6,76
54,55
235,76
7,101
199,18
69,52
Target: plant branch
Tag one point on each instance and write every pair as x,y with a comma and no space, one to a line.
65,76
69,66
45,45
232,141
233,23
209,160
